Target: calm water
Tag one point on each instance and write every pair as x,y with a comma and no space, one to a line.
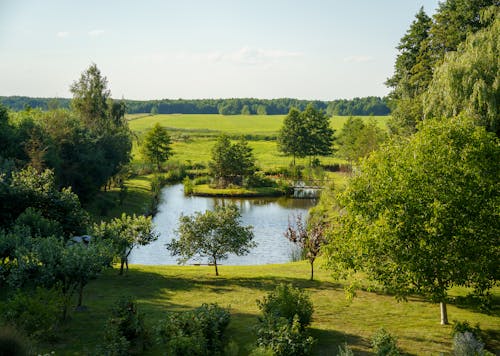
268,216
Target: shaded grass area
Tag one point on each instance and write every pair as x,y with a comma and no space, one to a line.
336,320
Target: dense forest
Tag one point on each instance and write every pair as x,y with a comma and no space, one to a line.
370,105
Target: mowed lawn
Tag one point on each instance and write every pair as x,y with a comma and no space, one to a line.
336,319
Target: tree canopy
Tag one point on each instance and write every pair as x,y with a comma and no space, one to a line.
421,214
213,234
468,80
156,145
231,162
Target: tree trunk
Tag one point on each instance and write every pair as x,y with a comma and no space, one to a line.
444,313
122,262
312,270
80,296
216,270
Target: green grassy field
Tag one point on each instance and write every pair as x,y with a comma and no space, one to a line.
194,136
230,124
335,320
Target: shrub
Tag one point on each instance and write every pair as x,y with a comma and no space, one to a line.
344,350
36,312
197,332
188,185
287,301
258,180
12,343
465,344
464,326
124,329
285,339
384,344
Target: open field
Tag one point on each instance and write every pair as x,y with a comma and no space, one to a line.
230,124
200,132
335,320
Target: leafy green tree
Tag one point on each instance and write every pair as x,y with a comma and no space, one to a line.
412,73
468,80
421,214
292,135
29,188
357,139
90,98
245,110
231,163
213,234
156,146
125,233
319,137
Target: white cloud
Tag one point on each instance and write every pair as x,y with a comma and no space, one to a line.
95,33
358,59
62,34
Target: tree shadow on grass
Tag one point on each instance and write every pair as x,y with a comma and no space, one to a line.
328,342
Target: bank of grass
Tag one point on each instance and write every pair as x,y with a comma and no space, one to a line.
236,192
336,320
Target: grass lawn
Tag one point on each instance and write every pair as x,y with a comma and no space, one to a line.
335,320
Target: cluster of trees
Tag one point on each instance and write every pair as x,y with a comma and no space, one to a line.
420,214
49,162
306,133
85,146
446,65
231,162
245,106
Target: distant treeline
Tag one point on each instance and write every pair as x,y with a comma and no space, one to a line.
370,105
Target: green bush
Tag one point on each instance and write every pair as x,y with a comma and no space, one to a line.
12,343
287,301
196,332
36,312
188,186
124,330
258,180
464,326
285,339
344,350
384,344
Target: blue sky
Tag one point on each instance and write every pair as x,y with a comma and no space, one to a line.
310,49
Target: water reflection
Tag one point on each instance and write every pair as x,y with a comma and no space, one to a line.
268,216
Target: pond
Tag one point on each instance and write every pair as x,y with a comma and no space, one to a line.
268,216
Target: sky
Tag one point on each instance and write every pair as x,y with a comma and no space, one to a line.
191,49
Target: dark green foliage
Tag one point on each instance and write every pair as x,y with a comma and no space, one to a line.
197,332
37,190
384,344
231,163
287,302
464,326
13,343
125,332
37,313
285,339
156,145
357,106
38,225
306,133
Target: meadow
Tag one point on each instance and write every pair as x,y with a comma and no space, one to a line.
194,135
336,319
